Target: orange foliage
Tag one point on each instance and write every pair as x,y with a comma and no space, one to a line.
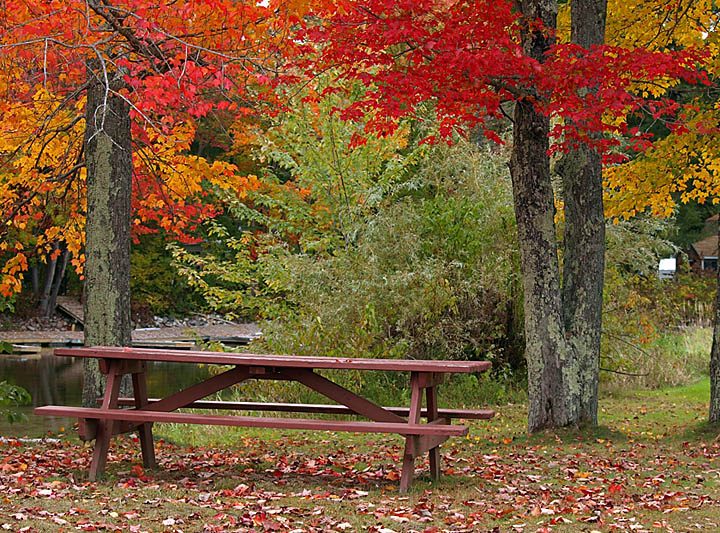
179,65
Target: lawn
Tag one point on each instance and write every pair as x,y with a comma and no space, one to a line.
652,465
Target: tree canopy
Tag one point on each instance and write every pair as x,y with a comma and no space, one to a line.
182,68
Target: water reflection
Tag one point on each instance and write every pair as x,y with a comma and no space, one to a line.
58,381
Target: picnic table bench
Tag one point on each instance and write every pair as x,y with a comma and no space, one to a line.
120,415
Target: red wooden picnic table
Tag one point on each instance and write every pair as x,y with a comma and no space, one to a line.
114,417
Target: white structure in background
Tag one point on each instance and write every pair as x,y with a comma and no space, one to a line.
666,268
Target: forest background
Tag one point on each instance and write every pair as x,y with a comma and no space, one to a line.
272,210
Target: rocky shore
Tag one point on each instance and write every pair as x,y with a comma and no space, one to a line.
59,322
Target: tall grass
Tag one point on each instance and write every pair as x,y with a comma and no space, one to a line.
676,357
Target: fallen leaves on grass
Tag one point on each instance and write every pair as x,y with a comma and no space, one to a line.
281,486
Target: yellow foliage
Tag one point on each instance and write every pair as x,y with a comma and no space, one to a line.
651,24
685,164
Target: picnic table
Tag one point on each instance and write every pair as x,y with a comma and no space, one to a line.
120,415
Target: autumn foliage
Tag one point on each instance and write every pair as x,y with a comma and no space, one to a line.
468,59
182,67
682,166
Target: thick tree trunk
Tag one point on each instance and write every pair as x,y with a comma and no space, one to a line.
107,241
552,392
546,348
562,325
584,238
714,410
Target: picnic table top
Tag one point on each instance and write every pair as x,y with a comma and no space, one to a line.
285,361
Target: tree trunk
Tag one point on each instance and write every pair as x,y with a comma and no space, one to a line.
584,238
59,276
714,410
550,395
562,325
107,239
545,344
43,307
35,278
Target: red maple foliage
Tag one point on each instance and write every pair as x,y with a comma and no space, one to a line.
467,58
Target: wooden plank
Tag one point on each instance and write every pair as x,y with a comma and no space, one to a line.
270,360
87,428
44,341
25,349
200,390
145,430
408,467
122,366
175,345
431,400
424,443
432,379
234,340
105,427
318,408
133,415
71,307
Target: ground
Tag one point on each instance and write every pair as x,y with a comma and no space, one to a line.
58,328
653,465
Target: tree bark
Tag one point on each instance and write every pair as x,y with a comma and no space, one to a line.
50,267
562,324
584,239
35,278
54,274
546,346
59,276
714,410
107,239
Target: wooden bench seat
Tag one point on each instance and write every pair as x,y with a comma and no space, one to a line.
317,408
139,416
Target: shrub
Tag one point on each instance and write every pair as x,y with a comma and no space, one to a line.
428,271
432,274
11,397
651,327
155,286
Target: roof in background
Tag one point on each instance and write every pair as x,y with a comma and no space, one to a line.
707,247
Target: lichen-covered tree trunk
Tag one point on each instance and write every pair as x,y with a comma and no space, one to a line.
584,239
108,158
546,346
714,411
562,323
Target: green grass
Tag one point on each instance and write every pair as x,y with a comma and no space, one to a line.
653,464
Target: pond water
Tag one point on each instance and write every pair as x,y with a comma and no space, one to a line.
58,381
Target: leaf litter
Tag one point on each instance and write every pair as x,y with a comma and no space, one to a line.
496,480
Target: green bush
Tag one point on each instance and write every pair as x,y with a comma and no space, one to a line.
432,274
154,283
11,397
430,269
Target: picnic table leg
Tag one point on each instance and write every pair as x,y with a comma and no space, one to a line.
105,427
432,414
144,430
408,468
